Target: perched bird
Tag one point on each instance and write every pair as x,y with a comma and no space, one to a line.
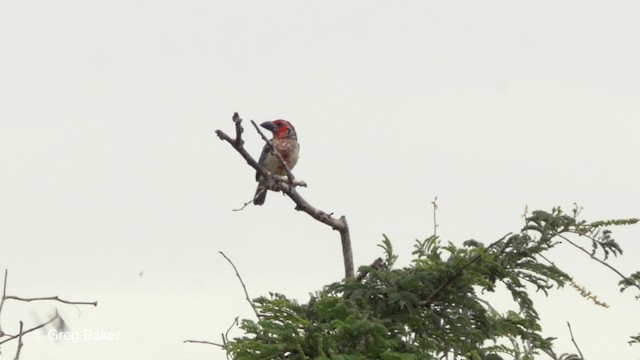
285,142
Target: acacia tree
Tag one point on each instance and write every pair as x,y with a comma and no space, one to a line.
436,308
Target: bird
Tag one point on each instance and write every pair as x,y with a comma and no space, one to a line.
285,141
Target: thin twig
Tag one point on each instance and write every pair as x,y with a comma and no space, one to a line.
574,341
54,318
237,120
4,294
234,323
52,298
20,343
203,342
245,204
225,336
246,294
435,210
598,260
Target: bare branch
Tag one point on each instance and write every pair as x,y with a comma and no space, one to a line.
245,204
224,336
20,343
54,318
246,294
574,341
339,225
598,260
237,120
288,185
4,294
347,252
434,203
203,342
52,298
4,287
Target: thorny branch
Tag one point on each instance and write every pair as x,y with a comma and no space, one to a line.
288,185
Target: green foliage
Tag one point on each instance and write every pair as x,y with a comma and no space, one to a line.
570,357
390,257
631,280
432,309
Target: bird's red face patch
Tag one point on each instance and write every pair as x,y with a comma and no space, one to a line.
282,128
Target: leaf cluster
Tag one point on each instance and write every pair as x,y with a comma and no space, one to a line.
432,309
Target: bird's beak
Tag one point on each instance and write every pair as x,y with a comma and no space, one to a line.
269,125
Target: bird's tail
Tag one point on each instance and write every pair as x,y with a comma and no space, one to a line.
260,196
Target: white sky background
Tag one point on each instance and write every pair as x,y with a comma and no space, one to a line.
109,165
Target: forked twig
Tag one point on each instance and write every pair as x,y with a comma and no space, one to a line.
574,341
246,294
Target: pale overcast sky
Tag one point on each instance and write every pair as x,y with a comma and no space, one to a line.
113,186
